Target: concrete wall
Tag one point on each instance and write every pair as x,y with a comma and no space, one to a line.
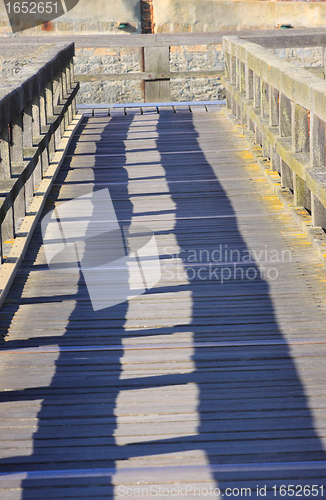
214,15
89,16
94,16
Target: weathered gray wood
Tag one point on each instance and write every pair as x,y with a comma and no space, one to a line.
28,126
264,98
297,37
256,91
273,111
295,106
302,195
157,59
300,129
317,141
5,166
318,212
285,112
148,75
153,394
16,147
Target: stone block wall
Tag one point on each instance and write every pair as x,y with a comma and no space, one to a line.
102,61
304,57
196,58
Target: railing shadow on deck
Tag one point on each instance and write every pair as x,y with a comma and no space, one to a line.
236,421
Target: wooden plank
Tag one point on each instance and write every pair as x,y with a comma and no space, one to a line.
297,37
157,60
149,74
154,394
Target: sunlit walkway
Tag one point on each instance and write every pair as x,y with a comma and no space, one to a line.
214,378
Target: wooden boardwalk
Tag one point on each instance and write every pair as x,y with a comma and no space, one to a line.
215,378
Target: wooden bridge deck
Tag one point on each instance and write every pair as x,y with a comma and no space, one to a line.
215,377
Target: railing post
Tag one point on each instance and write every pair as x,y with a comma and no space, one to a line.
257,95
16,146
285,115
62,96
57,87
317,141
227,63
49,113
65,94
318,212
43,127
242,76
300,129
72,81
300,144
233,74
302,195
17,211
286,176
249,75
28,126
264,98
7,226
5,165
273,106
37,174
28,143
68,77
157,60
275,160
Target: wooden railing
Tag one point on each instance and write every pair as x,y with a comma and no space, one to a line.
36,107
155,74
284,108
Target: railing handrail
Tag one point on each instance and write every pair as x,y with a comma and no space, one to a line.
272,38
36,107
285,108
18,90
294,82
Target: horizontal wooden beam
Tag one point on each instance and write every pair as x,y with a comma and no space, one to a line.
164,75
289,38
274,38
